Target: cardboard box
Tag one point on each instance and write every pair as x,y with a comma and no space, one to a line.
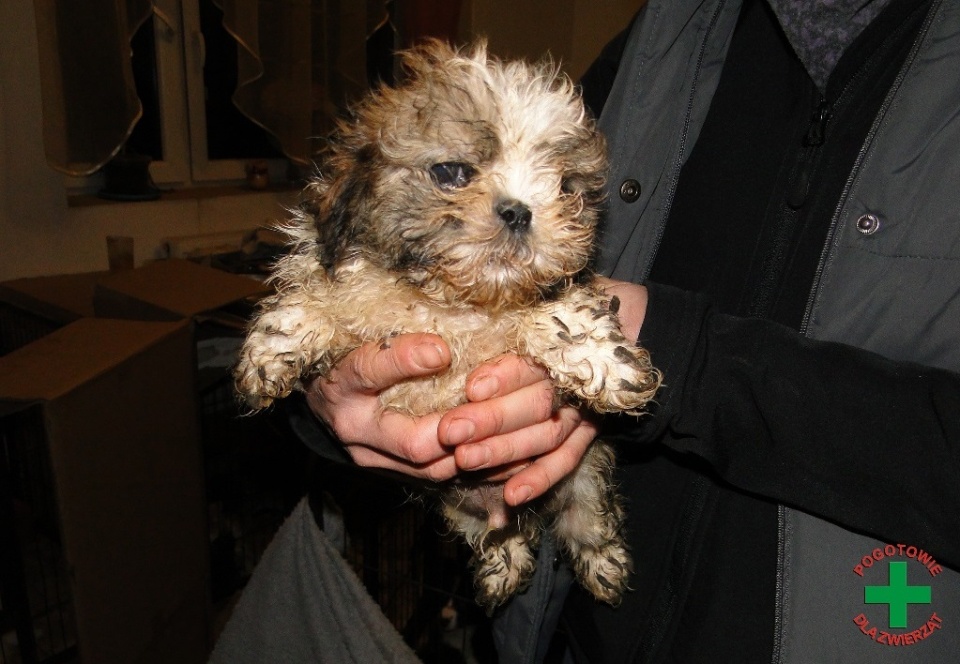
250,468
217,302
32,308
61,298
114,402
172,290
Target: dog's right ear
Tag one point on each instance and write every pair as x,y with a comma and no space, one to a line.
430,55
336,202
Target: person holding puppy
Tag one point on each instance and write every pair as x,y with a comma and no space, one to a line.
782,232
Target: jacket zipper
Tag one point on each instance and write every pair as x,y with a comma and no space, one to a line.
778,584
858,164
812,141
806,162
796,196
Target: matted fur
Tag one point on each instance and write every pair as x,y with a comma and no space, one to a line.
464,203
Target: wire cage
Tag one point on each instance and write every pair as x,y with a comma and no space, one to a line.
254,473
416,571
19,327
36,604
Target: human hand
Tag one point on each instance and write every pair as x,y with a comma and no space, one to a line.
510,429
511,414
510,425
347,400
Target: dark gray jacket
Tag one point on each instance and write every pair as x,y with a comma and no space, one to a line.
888,282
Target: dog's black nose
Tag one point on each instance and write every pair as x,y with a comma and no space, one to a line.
515,215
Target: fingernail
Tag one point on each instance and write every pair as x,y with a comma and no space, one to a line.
474,457
484,388
460,431
522,494
427,356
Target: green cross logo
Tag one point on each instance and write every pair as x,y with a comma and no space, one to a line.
897,594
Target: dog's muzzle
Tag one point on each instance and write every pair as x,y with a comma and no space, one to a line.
515,215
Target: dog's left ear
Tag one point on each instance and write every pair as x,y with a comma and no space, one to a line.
337,202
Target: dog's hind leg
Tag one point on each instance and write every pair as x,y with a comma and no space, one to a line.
503,557
588,525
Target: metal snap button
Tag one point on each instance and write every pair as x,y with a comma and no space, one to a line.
868,224
630,191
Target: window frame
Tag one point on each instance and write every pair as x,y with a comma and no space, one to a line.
179,56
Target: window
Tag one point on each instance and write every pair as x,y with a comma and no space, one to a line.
185,69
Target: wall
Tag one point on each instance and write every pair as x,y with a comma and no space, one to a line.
40,234
32,205
572,31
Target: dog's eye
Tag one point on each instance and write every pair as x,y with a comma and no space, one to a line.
570,185
452,174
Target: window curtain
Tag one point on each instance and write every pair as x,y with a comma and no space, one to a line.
299,61
90,105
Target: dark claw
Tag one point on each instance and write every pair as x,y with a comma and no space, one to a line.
602,580
616,563
627,357
627,386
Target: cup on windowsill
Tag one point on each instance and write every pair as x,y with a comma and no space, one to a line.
258,174
120,252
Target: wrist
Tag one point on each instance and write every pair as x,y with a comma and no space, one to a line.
633,304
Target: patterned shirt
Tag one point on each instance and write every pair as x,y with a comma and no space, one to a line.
821,31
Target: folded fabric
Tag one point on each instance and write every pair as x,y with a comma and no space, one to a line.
304,604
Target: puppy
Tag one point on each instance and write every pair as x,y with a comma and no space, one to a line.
464,203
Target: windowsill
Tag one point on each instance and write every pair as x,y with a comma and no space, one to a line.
184,194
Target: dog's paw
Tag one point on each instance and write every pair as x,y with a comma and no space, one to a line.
502,569
604,571
631,379
578,340
264,375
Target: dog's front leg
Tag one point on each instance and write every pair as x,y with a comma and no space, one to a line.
578,340
290,337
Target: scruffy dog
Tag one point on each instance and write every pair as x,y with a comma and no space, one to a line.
464,203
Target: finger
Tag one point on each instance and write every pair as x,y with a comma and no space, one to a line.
440,470
374,367
413,439
521,444
501,376
546,471
475,421
503,473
